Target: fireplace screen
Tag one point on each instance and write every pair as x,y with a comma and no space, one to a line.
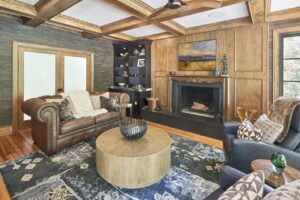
200,99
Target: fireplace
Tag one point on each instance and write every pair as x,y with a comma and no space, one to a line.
198,99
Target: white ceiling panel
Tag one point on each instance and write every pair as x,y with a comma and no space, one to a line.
144,31
95,12
277,5
31,2
234,11
156,3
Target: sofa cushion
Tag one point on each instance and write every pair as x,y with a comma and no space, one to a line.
65,111
80,100
250,187
92,113
76,124
290,191
107,116
271,130
95,99
108,103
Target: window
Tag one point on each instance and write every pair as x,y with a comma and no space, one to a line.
290,65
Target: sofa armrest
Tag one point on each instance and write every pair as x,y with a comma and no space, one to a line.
45,123
37,109
231,127
245,151
229,176
123,98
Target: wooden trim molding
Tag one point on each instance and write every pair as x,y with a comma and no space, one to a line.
276,56
18,48
5,130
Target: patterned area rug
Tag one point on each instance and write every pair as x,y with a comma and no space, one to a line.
71,174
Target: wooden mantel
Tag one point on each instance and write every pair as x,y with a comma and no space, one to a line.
204,79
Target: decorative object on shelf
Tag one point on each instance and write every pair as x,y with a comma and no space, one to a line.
139,87
121,84
279,162
216,72
197,56
143,52
141,62
225,65
136,52
124,54
172,73
125,74
133,129
121,65
152,103
126,64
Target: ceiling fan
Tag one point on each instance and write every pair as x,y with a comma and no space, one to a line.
176,4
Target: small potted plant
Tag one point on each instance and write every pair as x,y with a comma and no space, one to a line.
279,162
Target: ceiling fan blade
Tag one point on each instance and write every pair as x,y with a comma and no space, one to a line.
158,11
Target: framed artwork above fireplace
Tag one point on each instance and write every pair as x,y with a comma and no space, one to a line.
197,56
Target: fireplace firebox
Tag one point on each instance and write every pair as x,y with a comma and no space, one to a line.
198,99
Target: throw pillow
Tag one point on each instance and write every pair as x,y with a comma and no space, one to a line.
290,191
271,130
95,99
250,187
108,103
65,111
248,132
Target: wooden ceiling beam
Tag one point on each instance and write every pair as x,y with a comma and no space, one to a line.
119,26
18,7
220,25
142,11
190,9
159,36
256,10
292,14
46,9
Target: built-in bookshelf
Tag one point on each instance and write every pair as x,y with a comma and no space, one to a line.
132,64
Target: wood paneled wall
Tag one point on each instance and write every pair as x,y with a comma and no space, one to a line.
246,49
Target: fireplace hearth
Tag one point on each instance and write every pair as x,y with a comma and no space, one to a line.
198,99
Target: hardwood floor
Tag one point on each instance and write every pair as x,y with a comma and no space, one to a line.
13,146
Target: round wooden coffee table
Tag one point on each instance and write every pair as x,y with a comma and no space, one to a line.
289,174
133,163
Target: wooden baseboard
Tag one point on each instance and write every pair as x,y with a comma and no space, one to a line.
5,130
192,136
4,195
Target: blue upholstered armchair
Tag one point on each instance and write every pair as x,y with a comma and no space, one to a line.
240,153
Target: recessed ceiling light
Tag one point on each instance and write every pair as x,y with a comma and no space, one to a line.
217,15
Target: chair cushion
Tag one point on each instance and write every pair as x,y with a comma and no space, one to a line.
250,187
106,116
76,124
215,194
271,130
289,191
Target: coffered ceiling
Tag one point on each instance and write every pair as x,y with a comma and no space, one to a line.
135,19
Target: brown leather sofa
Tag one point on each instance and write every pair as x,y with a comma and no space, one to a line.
52,135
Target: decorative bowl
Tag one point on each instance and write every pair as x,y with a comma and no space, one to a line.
133,129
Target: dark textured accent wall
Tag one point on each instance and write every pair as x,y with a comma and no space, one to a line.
12,30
